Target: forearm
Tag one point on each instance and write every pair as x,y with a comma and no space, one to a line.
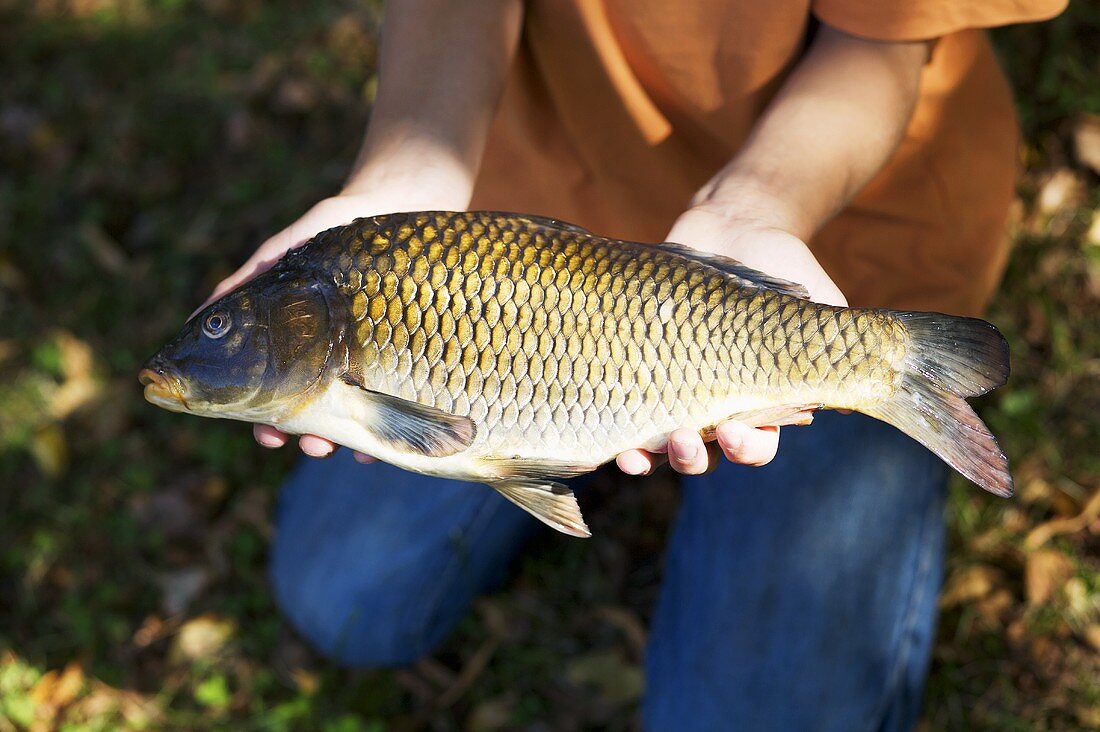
442,69
833,125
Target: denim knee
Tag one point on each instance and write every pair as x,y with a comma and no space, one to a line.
375,565
344,624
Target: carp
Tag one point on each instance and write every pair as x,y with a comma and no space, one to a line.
519,351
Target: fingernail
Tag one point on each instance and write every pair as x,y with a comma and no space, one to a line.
730,437
684,451
269,441
634,465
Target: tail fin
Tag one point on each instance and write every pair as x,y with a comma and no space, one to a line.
950,358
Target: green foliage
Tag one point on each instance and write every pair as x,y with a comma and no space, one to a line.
146,146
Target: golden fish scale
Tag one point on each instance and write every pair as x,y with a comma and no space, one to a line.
578,344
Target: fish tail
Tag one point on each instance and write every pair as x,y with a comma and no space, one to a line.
950,358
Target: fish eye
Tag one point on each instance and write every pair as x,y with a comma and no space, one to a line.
216,324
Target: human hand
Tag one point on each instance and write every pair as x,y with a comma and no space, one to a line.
330,212
760,242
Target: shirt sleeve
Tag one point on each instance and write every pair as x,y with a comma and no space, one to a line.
918,20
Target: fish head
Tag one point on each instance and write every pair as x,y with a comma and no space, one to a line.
255,354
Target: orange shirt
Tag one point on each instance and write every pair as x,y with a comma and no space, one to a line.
617,111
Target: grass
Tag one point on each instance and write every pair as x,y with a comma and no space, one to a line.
145,145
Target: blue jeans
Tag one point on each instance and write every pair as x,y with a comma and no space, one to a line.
801,595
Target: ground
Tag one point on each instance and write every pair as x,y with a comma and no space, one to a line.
146,145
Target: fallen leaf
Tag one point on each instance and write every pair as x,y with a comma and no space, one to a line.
69,684
968,584
50,450
42,691
1086,140
152,629
202,637
80,385
1046,570
1062,189
1092,236
1092,636
1044,532
992,607
1088,715
1078,601
307,682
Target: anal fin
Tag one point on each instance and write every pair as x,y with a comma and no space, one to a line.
552,503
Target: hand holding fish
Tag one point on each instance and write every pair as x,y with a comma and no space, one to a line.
329,212
520,351
706,229
759,241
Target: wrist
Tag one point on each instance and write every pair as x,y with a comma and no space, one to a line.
411,177
750,200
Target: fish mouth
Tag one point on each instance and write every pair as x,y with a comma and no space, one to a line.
162,388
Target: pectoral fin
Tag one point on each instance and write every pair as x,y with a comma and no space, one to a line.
413,427
552,503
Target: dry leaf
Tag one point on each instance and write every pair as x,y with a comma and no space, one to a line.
1092,636
969,584
1086,140
69,684
1062,189
1046,571
78,368
1078,601
202,637
1092,236
43,690
992,607
1088,715
50,451
1044,532
308,682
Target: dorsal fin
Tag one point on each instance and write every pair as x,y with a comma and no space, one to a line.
548,223
746,275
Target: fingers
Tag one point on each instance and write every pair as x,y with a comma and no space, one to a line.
747,445
687,454
268,436
638,462
315,446
311,445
